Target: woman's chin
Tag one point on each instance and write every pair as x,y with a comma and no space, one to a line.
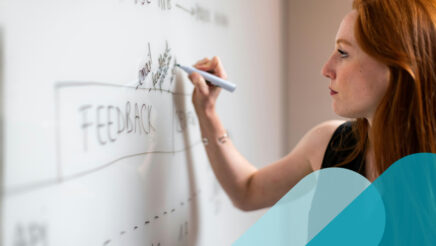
345,113
349,115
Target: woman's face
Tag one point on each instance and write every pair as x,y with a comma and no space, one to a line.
358,81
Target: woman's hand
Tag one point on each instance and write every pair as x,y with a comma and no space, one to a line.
205,94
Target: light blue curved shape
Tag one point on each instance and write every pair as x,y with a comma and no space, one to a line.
306,209
360,223
398,208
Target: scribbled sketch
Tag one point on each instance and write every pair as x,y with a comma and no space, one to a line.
146,69
164,61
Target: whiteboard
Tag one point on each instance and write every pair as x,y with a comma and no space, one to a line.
100,141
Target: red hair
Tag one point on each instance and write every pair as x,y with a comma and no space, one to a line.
402,35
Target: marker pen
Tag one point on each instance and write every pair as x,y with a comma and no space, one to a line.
210,78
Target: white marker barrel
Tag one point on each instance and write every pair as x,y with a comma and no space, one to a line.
211,78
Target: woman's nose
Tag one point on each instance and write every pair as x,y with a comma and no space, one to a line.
327,70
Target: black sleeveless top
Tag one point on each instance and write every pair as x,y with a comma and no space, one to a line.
340,146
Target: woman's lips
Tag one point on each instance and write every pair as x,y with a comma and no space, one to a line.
332,92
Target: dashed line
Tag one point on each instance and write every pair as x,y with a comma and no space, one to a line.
147,222
190,11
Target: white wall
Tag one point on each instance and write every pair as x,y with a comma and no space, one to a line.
311,34
145,188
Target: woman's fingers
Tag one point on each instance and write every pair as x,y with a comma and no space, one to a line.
214,66
218,68
205,94
202,62
199,83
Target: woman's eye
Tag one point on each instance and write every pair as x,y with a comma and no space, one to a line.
342,53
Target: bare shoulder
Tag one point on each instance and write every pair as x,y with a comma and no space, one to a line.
315,141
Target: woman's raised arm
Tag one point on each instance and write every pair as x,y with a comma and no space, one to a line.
248,187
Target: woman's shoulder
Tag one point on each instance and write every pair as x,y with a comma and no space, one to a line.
328,127
316,140
324,131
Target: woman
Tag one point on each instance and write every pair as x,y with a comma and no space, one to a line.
382,75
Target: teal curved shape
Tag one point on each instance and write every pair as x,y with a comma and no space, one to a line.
398,208
408,191
307,208
360,223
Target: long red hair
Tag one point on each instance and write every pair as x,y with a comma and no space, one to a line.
402,35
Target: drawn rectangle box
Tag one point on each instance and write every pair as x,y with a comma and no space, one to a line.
99,124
